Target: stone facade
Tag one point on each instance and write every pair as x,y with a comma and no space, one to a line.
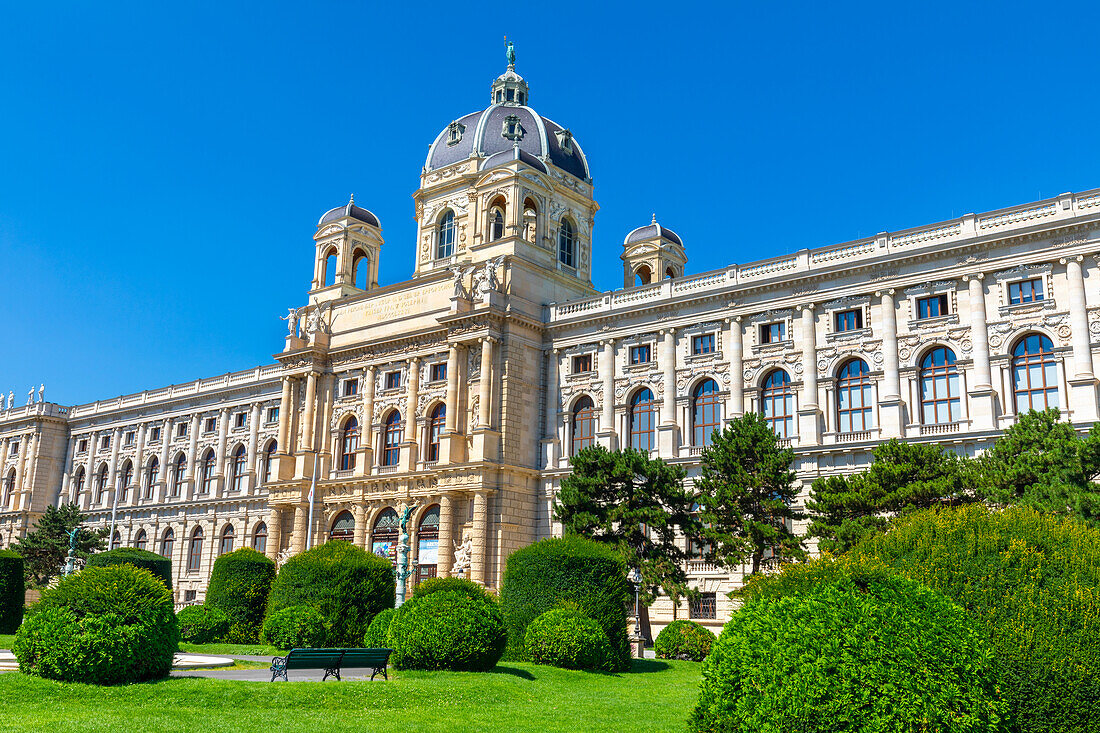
464,390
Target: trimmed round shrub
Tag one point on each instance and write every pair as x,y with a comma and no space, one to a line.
13,591
202,624
565,637
469,587
103,625
158,565
375,638
860,652
592,575
348,585
239,585
683,639
447,630
1033,581
295,627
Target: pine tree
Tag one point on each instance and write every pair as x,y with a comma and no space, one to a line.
45,547
747,494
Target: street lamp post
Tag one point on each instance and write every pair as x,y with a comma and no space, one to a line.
635,577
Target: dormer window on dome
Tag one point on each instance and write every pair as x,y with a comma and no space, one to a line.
565,140
513,130
454,132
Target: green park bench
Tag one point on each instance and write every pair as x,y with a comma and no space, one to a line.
331,660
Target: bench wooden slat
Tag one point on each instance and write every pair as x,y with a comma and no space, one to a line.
331,660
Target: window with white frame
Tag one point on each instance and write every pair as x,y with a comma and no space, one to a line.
1025,291
773,333
703,343
848,320
582,363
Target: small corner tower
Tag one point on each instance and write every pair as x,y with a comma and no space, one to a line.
652,253
348,242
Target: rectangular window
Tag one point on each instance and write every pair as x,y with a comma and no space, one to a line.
82,447
773,333
130,438
105,443
849,320
154,434
704,607
240,419
639,354
273,414
14,449
181,429
702,344
211,425
350,388
933,306
582,363
393,380
1025,291
189,596
437,372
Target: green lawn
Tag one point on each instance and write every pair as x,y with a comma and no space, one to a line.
6,640
656,696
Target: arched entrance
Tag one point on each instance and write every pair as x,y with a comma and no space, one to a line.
384,536
427,544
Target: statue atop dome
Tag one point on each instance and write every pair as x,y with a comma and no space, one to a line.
510,53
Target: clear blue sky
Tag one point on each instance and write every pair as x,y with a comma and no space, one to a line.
162,167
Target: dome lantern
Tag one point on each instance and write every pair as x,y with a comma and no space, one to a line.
509,88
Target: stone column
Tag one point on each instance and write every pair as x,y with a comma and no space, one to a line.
736,347
982,407
446,536
139,467
254,442
112,472
606,434
668,432
274,532
89,471
451,421
309,413
478,552
284,416
1080,379
222,485
165,444
551,443
412,393
66,471
485,387
890,402
452,444
193,452
366,430
301,526
11,501
809,421
359,538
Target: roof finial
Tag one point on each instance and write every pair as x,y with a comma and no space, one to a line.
351,200
654,220
510,53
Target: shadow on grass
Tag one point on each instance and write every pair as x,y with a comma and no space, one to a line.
514,671
648,665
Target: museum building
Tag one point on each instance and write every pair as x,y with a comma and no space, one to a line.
464,390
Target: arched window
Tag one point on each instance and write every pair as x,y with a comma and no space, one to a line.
427,543
152,474
1034,373
9,486
706,412
384,535
167,542
360,270
584,424
269,459
141,539
349,443
208,464
496,224
179,470
853,397
530,221
643,276
391,438
436,423
259,538
343,528
445,239
194,552
78,481
939,387
116,540
124,480
101,485
329,275
567,244
237,468
642,418
228,535
777,403
669,273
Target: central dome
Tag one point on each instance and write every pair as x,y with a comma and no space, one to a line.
507,124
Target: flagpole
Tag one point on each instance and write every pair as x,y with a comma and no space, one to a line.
312,488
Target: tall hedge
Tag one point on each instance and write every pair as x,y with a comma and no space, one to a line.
346,584
12,591
239,586
158,565
841,647
105,625
1033,580
591,575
